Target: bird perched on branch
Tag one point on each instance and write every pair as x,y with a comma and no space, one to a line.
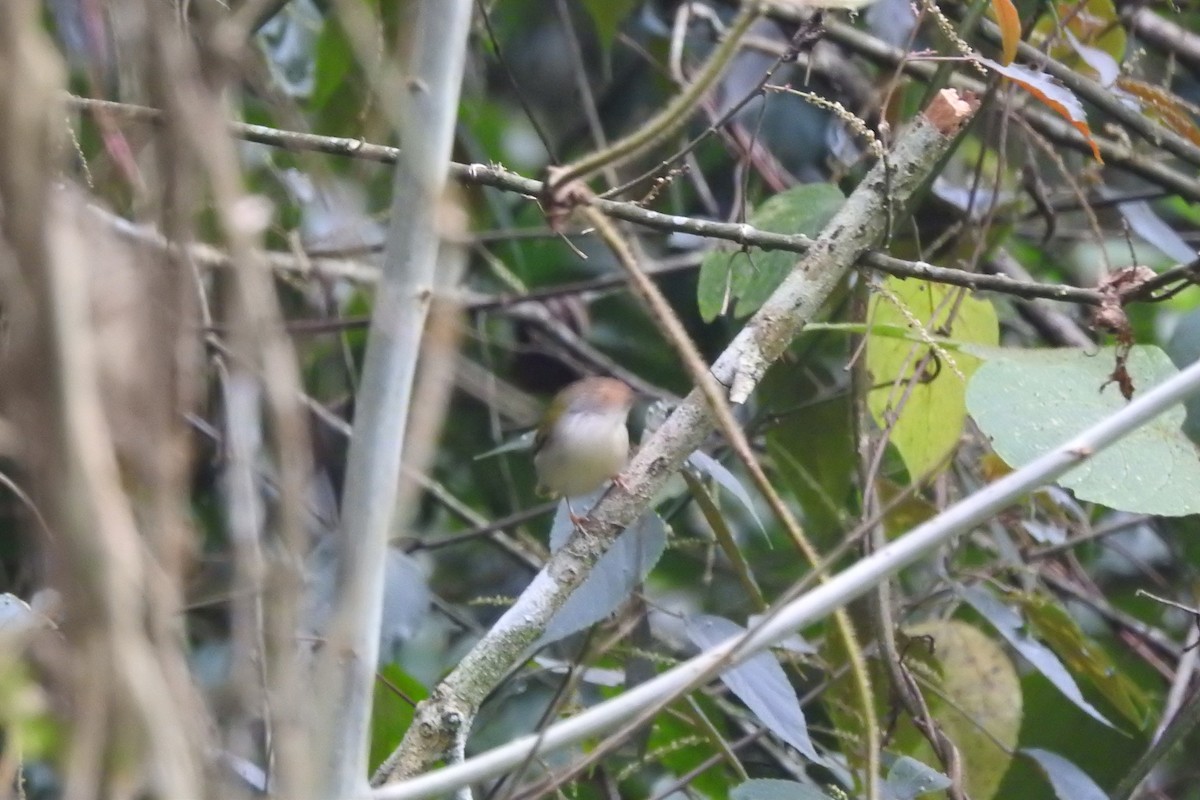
582,440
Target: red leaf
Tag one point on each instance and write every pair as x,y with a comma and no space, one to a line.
1160,104
1051,93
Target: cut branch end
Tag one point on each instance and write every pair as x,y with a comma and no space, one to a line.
950,108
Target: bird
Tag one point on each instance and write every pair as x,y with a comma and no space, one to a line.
582,441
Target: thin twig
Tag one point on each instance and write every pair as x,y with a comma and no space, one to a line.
500,178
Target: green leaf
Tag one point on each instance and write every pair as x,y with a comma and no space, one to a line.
977,700
333,62
391,714
812,451
775,789
1010,625
908,779
707,465
905,510
749,277
925,414
1069,781
1084,657
607,16
612,579
1030,401
24,714
759,682
678,747
1184,349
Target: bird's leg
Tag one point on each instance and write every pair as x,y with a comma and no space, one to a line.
575,518
618,481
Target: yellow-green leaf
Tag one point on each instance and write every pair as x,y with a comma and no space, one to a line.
1094,23
925,413
1084,658
977,702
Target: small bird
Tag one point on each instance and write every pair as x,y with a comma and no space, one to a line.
582,440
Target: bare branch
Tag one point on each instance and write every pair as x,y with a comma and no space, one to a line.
419,217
